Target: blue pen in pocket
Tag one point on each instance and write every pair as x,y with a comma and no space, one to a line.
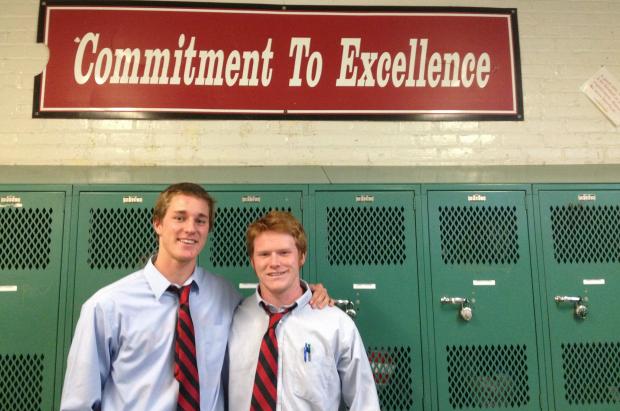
307,353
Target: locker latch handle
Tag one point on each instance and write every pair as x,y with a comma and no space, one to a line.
466,311
347,306
581,309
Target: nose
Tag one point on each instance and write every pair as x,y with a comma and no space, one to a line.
274,260
190,225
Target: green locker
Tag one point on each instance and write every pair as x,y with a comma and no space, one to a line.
31,255
225,252
115,237
482,300
580,228
365,253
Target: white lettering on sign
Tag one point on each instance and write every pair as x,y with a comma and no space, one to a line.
417,66
153,66
484,282
132,199
250,199
586,197
247,286
365,199
477,197
300,48
8,288
449,69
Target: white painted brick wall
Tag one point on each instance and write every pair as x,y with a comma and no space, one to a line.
563,43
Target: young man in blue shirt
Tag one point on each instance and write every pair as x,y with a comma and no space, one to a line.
284,355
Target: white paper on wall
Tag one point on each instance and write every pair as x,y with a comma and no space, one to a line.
604,91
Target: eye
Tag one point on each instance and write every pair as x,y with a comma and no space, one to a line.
178,218
202,221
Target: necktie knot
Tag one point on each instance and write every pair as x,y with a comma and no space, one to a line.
274,318
182,293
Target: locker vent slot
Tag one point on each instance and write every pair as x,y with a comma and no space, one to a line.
591,372
391,368
21,382
25,238
488,376
366,236
228,237
479,235
586,234
120,238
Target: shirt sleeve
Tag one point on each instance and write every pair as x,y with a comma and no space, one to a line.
88,363
359,391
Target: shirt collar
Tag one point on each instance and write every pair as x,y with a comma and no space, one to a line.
158,283
301,301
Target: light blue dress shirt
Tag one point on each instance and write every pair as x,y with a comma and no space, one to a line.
122,354
336,366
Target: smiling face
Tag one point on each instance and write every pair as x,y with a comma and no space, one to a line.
277,262
182,232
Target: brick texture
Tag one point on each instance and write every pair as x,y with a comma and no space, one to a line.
563,43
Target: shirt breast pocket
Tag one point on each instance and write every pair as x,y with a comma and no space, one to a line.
315,380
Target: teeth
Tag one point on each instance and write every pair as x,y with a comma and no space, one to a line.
189,241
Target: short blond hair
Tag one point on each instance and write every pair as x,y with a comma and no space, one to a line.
188,189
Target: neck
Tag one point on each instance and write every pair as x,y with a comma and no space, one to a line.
176,272
282,299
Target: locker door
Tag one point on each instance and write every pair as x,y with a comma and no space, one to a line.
115,237
225,252
479,252
31,234
581,252
366,254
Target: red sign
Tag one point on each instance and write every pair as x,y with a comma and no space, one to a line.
201,60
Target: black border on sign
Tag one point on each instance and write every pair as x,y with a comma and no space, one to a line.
159,115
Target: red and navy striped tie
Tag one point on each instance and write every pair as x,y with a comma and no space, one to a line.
185,370
265,392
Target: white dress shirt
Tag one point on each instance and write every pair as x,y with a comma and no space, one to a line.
122,354
335,369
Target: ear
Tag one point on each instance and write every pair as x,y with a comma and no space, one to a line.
157,227
302,260
252,264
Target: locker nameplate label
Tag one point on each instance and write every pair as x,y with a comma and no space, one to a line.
596,281
586,197
364,286
484,282
133,200
10,199
250,199
476,197
364,198
13,201
8,288
248,286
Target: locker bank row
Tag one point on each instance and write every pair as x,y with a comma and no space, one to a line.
468,295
